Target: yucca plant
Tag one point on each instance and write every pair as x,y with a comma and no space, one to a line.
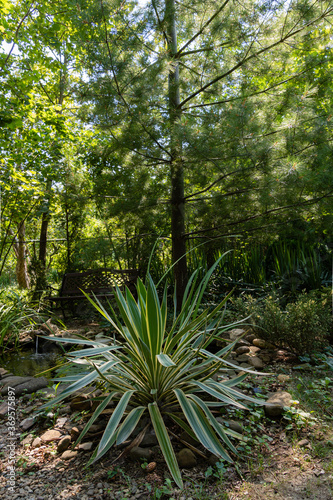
163,372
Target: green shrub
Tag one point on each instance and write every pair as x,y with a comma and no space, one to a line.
159,371
303,326
15,316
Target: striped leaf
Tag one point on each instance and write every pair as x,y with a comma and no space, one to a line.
165,443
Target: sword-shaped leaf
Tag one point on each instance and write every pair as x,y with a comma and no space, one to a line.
165,443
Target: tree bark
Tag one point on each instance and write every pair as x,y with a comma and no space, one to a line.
176,167
21,252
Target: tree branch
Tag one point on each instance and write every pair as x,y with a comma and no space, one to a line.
207,23
247,58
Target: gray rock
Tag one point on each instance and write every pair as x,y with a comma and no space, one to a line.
256,362
275,404
31,385
137,453
12,381
250,337
243,358
37,442
50,435
3,410
74,432
4,373
27,423
235,426
259,343
186,458
27,441
254,349
64,444
242,349
242,343
149,439
69,454
85,446
236,333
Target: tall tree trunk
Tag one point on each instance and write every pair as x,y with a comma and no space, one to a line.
21,252
176,168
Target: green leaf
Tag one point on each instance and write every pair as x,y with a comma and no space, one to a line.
129,424
165,360
200,425
110,429
165,443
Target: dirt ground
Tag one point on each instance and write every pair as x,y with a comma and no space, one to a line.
292,463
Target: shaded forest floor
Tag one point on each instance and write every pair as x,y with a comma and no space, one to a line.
285,459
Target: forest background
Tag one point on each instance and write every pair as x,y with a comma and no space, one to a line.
202,126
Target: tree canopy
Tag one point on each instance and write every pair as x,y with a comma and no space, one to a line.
188,120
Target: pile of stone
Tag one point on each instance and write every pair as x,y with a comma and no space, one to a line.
249,351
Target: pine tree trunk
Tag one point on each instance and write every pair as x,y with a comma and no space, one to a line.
176,169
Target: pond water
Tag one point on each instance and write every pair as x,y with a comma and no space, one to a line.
29,363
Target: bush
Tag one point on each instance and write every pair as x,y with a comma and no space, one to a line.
303,326
15,316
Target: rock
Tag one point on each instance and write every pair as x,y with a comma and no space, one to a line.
85,446
246,366
81,403
3,410
12,381
259,343
37,442
50,435
303,442
28,440
275,404
74,432
61,421
94,428
250,337
236,333
231,424
186,458
242,343
24,384
266,357
68,454
243,358
63,444
4,373
137,453
254,349
149,439
283,378
235,426
256,362
27,423
243,349
212,460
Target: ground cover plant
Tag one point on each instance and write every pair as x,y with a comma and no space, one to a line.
160,370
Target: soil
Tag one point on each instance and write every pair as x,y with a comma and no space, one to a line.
289,465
